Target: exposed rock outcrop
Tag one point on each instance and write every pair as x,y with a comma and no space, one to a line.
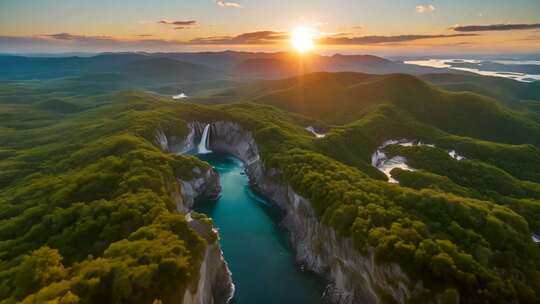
178,144
205,186
353,277
214,285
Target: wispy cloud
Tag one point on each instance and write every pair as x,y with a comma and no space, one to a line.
250,38
69,42
259,37
366,40
530,38
496,27
230,4
74,42
344,34
178,22
274,37
425,8
68,36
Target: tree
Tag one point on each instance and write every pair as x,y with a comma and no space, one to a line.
39,269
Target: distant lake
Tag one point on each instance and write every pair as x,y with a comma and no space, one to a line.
520,70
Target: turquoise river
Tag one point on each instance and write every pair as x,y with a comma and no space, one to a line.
254,244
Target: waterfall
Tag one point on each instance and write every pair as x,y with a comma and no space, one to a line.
314,132
203,145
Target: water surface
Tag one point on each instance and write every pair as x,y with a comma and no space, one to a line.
254,245
479,67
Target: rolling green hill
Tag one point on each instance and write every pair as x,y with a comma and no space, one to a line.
85,192
339,98
521,96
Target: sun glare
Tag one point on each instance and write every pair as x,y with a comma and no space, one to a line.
302,39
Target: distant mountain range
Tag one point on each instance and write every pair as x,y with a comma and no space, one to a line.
221,75
128,64
186,66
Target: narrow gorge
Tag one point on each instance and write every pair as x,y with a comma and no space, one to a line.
352,277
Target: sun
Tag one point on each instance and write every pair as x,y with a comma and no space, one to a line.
302,39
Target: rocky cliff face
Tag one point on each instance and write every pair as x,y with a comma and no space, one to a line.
178,144
206,185
353,277
214,284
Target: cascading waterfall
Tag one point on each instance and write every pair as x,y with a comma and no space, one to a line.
203,145
312,130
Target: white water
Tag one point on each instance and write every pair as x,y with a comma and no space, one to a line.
180,96
536,238
202,148
456,156
387,165
380,160
312,130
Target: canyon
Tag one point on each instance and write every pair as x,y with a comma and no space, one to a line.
353,277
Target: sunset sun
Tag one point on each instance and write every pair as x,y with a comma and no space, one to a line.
302,39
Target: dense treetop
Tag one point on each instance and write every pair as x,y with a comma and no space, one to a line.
87,213
86,201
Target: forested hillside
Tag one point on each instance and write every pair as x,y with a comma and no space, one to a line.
86,210
339,98
86,204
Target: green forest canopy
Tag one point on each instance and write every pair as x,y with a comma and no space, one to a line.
87,213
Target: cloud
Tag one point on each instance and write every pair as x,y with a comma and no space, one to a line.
425,8
337,35
250,38
259,37
229,4
68,36
63,36
530,38
178,22
62,42
364,40
496,27
73,42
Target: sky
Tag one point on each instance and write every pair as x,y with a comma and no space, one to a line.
345,26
